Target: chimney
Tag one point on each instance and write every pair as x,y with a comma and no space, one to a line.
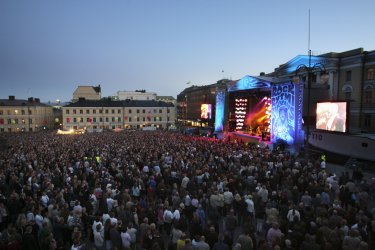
30,99
12,98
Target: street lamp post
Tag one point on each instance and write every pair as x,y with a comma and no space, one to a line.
310,70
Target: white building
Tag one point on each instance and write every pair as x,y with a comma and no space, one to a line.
141,95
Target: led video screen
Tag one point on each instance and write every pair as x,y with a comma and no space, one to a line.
206,111
331,116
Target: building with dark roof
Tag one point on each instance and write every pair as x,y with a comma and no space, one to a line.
18,115
111,114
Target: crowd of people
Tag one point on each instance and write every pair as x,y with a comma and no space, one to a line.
163,190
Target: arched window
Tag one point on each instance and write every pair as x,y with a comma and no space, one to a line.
370,74
347,89
367,91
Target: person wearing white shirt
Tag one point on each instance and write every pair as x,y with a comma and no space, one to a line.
185,182
99,236
44,199
293,215
176,214
109,203
126,240
95,223
250,206
105,217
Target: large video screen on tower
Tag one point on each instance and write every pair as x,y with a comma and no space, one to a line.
331,116
206,111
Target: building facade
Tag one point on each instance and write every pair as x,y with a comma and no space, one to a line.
87,92
190,100
110,114
18,115
349,76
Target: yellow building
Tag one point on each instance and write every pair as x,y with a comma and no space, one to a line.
110,114
18,115
87,92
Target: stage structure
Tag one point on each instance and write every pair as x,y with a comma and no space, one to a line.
267,107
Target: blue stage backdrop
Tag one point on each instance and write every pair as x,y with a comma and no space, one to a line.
286,113
219,114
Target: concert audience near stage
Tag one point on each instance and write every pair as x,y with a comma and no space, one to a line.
161,190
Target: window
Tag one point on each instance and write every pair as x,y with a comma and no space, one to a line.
30,121
8,112
16,121
94,111
81,111
113,119
22,112
137,111
368,96
74,111
144,119
74,120
137,119
1,112
168,111
155,111
30,112
367,122
88,119
67,111
106,111
130,119
94,119
100,119
9,121
160,111
81,119
119,111
130,111
87,111
68,120
348,76
113,111
119,119
100,111
370,74
143,111
106,119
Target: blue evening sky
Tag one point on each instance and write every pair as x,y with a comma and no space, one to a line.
48,48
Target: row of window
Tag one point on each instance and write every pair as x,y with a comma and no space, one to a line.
115,119
369,74
367,95
113,111
15,121
15,112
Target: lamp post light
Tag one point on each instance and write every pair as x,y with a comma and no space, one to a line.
310,69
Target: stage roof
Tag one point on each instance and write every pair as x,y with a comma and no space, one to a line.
256,82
